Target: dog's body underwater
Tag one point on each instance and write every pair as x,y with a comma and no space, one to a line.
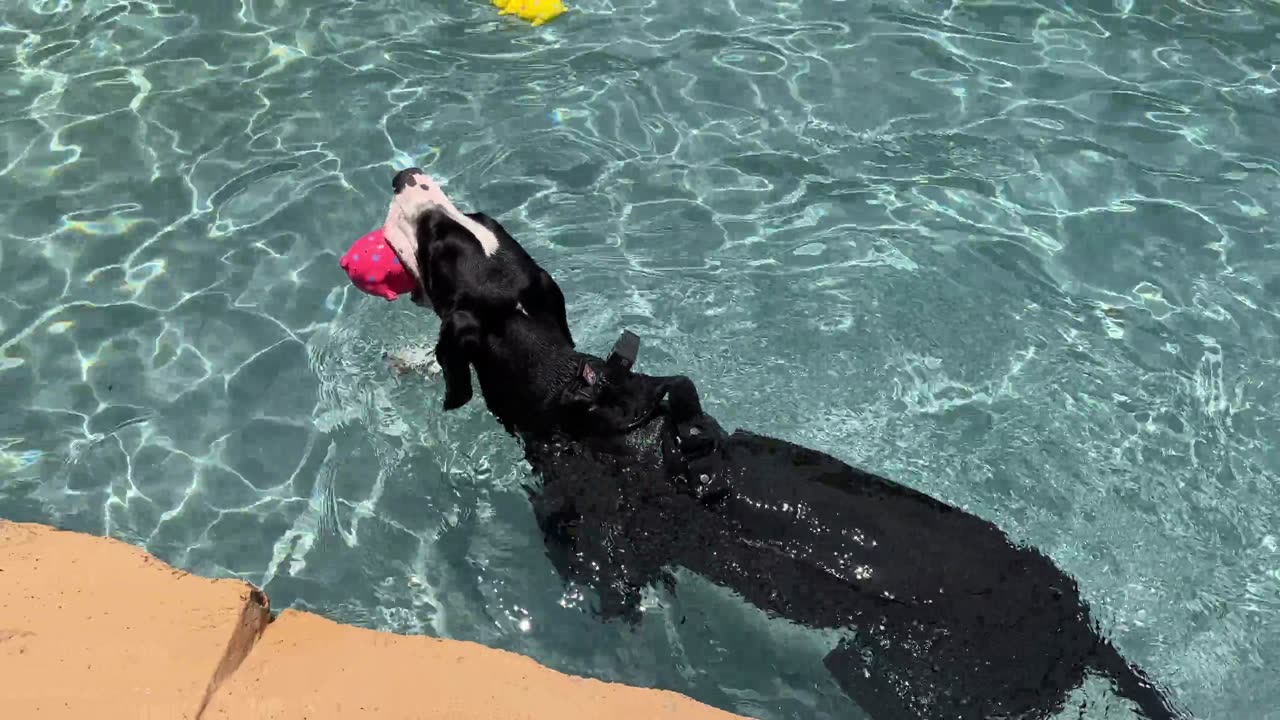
947,618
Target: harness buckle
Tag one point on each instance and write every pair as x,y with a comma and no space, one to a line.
623,355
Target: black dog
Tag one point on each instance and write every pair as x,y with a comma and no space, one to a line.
948,618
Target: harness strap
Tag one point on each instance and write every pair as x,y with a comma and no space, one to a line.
623,355
619,363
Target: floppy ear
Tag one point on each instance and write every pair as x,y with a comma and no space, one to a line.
554,298
459,338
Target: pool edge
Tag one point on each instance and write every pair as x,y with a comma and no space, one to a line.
94,626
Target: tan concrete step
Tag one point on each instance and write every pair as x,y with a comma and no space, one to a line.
308,667
95,628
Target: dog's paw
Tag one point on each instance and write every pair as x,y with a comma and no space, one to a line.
415,360
456,399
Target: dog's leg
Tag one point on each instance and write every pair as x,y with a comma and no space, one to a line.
586,518
578,555
419,359
1133,684
863,679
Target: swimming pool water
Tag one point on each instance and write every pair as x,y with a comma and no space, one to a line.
1020,255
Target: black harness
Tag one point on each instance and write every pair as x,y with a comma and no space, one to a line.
593,377
694,443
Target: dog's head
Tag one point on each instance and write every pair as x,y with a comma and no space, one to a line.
418,206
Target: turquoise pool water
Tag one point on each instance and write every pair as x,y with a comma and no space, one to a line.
1020,255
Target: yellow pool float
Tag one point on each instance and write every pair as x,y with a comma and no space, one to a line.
535,11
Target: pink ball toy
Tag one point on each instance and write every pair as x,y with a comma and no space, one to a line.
374,268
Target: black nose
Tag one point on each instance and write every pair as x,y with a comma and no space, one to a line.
405,178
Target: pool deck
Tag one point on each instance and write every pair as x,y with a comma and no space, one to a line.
94,627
